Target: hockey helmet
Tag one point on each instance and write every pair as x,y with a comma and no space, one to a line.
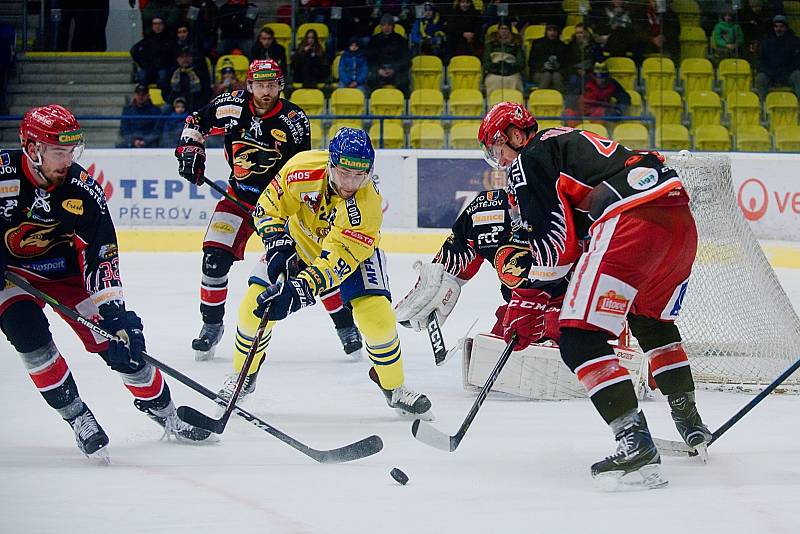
51,125
492,132
265,70
351,161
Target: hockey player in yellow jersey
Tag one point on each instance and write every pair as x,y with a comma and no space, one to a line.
320,220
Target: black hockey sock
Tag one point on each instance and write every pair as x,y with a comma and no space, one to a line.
615,400
343,318
677,380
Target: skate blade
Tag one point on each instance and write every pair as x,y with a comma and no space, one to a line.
702,452
204,355
99,457
648,477
355,356
427,416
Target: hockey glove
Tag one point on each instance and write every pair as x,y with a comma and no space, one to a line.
124,355
525,315
191,161
284,299
436,289
280,257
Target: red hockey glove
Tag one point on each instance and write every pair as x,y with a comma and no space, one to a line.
525,315
191,162
551,313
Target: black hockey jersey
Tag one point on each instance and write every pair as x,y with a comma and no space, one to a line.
61,233
566,179
256,147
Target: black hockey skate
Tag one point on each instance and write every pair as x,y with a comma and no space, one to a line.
249,387
688,422
89,435
167,418
636,464
405,401
207,340
351,341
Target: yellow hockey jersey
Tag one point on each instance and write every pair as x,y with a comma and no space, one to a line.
333,235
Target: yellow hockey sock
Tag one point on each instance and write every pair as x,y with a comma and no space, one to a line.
376,320
246,331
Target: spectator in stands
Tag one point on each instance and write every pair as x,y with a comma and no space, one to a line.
202,17
236,23
584,52
154,55
186,42
185,82
550,60
503,59
356,21
266,47
143,132
756,22
661,32
727,38
309,63
464,30
614,29
780,58
166,10
427,33
353,66
602,96
89,33
228,82
172,127
389,57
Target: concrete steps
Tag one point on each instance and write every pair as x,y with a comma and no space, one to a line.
74,78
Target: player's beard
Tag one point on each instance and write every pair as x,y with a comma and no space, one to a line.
264,104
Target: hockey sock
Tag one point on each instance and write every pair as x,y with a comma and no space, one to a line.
341,315
670,368
376,320
145,384
213,294
246,330
52,377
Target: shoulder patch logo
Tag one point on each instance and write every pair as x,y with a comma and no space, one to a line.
278,135
364,239
641,178
73,205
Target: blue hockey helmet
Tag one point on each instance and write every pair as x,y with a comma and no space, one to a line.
351,161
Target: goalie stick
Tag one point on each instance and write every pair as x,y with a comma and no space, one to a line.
353,451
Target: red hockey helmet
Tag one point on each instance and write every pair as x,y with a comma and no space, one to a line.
492,133
51,125
265,70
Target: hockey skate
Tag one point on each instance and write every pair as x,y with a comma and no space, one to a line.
636,463
167,418
89,435
688,422
207,340
249,387
351,341
405,401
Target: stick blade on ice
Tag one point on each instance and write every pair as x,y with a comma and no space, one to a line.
200,420
430,435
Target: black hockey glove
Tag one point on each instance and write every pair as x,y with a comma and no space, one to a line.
280,257
191,161
284,299
125,355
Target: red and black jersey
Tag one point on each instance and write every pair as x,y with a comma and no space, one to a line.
256,147
61,233
566,180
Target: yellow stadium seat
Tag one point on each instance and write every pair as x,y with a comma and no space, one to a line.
335,67
688,12
398,28
464,134
752,138
622,69
426,72
347,101
311,100
632,135
734,75
546,103
792,11
635,109
658,74
704,108
465,102
505,95
568,32
694,43
342,123
426,102
744,108
387,101
156,97
781,109
787,138
666,107
549,124
532,32
575,9
239,63
464,72
320,27
393,134
595,127
712,137
697,74
317,137
427,135
672,137
282,31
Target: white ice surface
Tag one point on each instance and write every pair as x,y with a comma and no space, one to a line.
523,466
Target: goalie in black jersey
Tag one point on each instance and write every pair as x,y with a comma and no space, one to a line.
262,132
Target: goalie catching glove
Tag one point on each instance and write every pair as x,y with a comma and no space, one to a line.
435,290
533,315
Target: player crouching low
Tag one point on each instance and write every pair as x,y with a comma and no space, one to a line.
320,221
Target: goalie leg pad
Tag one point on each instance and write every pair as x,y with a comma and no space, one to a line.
436,290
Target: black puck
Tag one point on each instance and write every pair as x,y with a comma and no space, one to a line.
399,476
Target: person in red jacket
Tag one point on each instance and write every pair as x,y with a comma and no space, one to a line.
603,96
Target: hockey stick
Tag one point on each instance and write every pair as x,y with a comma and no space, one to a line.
213,185
437,341
429,435
353,451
